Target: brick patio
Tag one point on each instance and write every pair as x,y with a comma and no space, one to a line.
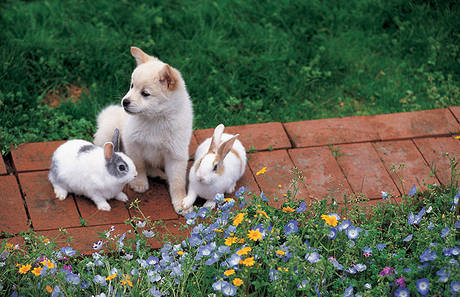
340,156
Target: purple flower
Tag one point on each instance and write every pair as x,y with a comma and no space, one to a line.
302,207
367,251
402,292
387,271
412,191
291,227
427,255
67,268
423,286
444,232
401,282
408,238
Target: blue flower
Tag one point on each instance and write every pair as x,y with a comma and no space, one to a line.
332,233
457,224
380,246
367,286
219,198
190,217
336,264
353,232
420,215
291,227
402,292
303,284
195,240
213,259
351,244
444,232
152,260
408,238
348,292
302,207
430,226
68,251
202,212
345,224
360,267
455,287
229,290
384,195
367,250
351,270
263,197
423,286
141,224
427,255
218,285
155,292
312,257
99,280
443,277
72,278
240,191
205,250
233,260
273,274
56,291
412,191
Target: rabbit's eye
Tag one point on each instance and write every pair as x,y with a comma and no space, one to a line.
122,167
215,168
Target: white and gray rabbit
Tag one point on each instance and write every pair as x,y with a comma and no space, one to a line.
220,162
99,173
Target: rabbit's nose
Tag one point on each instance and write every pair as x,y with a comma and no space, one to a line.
200,179
135,174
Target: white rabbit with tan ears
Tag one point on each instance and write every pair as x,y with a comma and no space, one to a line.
220,162
99,173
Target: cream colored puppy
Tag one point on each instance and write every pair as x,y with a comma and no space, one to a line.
155,122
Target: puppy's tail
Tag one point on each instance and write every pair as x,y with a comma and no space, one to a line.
110,118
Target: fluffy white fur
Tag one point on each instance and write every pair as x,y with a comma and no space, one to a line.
155,129
220,162
85,173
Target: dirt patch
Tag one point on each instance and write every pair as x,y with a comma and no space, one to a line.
63,93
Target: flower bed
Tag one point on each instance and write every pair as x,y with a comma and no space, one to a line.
248,248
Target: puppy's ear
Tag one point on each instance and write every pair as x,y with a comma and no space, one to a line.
168,77
139,55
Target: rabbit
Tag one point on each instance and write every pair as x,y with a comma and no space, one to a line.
220,162
99,173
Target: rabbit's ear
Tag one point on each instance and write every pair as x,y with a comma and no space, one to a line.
216,138
108,150
116,140
226,147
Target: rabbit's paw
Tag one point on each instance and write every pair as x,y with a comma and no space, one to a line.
121,197
103,205
61,194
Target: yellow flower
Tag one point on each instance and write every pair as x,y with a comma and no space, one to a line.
9,245
24,268
288,209
46,241
238,219
261,171
241,240
47,263
330,220
180,253
218,230
126,280
229,272
261,212
231,240
457,137
248,261
285,195
254,235
228,199
49,289
280,186
37,271
244,251
237,282
110,277
280,252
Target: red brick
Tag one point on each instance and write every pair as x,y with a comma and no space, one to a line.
13,217
46,211
414,170
262,136
34,156
331,131
2,167
456,111
364,170
278,172
88,210
322,174
155,203
14,240
434,151
83,238
168,231
415,124
248,181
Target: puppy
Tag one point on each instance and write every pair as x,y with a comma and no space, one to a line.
155,122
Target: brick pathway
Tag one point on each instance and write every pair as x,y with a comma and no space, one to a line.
338,157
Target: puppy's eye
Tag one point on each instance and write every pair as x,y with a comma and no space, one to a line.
145,94
131,86
122,167
215,168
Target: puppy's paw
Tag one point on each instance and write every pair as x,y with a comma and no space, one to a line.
209,204
186,211
103,206
121,197
139,185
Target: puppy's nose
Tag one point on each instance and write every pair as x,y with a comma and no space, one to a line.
125,102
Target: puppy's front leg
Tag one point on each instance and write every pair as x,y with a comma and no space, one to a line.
140,184
176,171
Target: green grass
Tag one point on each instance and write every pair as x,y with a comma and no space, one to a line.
243,61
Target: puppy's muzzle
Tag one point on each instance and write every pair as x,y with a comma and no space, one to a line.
125,103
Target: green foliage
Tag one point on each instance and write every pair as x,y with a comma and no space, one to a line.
243,61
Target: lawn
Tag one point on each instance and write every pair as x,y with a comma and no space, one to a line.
243,61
